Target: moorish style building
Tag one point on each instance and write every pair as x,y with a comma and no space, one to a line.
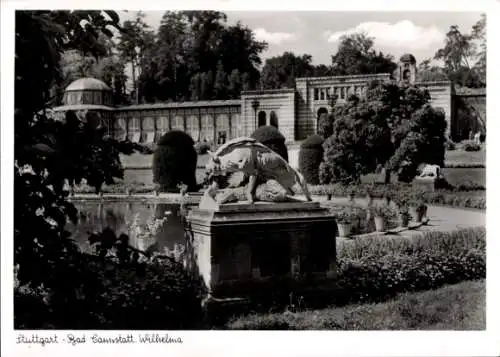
295,112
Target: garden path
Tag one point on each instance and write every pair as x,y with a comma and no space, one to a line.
441,218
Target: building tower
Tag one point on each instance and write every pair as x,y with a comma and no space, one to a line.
407,68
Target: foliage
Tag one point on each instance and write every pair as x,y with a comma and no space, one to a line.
361,138
442,197
470,145
272,138
346,216
197,56
310,157
452,307
174,162
394,126
281,71
49,154
356,55
135,41
462,62
376,269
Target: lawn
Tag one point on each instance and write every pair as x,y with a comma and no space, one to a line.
453,307
459,156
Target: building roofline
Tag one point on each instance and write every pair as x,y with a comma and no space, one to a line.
268,91
351,76
433,83
190,104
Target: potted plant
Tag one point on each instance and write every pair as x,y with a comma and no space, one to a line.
380,215
369,195
345,220
404,216
351,195
418,209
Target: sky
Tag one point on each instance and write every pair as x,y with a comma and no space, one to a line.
317,33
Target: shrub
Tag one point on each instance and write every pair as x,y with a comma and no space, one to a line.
470,145
272,138
310,157
174,162
444,197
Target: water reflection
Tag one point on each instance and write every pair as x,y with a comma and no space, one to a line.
133,219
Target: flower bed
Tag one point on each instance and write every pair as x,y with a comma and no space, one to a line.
443,197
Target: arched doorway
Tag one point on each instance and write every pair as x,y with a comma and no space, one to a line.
262,118
273,119
322,112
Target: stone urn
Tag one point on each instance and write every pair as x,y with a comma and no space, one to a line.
379,223
344,229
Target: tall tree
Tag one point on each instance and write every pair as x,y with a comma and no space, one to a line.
479,35
48,153
134,41
281,71
356,55
428,72
458,55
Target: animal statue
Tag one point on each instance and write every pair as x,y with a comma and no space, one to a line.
250,157
477,138
430,171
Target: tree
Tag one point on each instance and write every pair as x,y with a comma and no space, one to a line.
458,54
221,83
429,73
194,52
356,55
50,153
479,35
281,71
379,130
134,41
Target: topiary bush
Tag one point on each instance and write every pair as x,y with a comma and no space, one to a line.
272,138
310,157
174,162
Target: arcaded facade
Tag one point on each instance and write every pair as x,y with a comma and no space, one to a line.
295,112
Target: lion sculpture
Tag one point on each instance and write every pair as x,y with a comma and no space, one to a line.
256,160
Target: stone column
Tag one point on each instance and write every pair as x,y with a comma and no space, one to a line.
230,120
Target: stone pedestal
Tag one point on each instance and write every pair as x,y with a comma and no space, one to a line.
244,250
426,183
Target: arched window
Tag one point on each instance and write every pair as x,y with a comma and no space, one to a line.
321,113
262,118
273,118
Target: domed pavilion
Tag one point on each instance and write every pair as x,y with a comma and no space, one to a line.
89,97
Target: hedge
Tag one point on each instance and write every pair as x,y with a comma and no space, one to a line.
99,294
376,269
442,197
174,162
371,271
272,138
310,157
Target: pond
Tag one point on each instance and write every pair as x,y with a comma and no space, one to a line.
130,218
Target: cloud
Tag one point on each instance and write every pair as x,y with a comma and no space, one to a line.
275,38
403,34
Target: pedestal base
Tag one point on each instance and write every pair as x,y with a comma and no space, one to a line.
246,251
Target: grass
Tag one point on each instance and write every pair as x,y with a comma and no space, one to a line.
453,307
459,156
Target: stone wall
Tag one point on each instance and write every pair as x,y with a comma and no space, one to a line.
207,120
469,113
279,103
314,95
441,97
